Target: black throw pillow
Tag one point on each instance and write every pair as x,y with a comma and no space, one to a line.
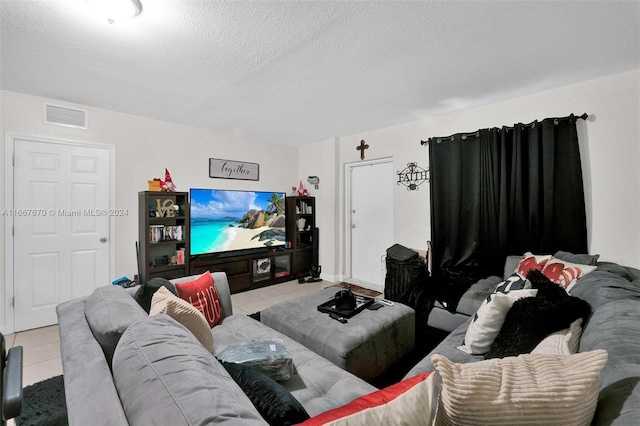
546,287
275,403
531,319
145,293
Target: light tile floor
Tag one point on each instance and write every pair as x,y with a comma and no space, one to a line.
41,346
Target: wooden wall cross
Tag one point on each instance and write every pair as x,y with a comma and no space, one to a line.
361,148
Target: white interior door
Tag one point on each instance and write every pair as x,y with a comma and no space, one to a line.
61,202
370,219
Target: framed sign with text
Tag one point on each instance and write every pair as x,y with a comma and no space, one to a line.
228,169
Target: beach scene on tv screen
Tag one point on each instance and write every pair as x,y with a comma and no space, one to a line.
224,220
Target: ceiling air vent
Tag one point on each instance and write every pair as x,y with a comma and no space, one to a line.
65,116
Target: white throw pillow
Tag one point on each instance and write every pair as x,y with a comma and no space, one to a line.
528,389
563,342
487,322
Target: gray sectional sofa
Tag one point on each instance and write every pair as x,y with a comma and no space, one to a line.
158,373
613,291
123,367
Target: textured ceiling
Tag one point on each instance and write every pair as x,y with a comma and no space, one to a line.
295,72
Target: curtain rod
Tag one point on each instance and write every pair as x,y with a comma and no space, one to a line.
477,133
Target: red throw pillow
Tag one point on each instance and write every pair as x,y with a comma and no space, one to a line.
203,295
411,399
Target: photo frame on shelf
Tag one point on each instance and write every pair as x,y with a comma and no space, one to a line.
229,169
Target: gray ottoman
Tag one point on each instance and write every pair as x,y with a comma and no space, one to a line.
366,346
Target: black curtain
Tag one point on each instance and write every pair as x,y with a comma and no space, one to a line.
504,191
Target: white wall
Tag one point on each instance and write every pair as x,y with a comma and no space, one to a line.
610,146
321,160
609,143
143,148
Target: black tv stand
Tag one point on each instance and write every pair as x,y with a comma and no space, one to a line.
227,254
248,269
262,266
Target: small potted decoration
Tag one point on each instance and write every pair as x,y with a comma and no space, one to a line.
158,184
300,190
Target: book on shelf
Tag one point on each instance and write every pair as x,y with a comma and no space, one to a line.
159,233
305,208
156,233
173,232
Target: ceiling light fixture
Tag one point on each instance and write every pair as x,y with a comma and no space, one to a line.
114,10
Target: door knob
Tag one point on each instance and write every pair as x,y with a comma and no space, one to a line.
103,240
353,226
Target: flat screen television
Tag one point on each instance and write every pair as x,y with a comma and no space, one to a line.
230,220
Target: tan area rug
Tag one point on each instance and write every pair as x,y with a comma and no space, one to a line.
358,289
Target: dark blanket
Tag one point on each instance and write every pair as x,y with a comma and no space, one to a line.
531,319
44,404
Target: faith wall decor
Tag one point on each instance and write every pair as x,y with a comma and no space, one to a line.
413,176
228,169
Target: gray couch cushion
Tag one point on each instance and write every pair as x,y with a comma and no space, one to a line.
319,385
510,265
625,272
449,348
166,377
86,373
619,399
582,259
614,327
601,286
473,298
109,311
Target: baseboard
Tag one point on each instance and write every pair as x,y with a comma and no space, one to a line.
330,278
370,286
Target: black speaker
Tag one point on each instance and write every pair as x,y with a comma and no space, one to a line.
313,275
315,243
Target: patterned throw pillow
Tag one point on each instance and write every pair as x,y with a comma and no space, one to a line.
164,302
487,322
564,273
411,400
203,295
528,389
514,282
531,261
